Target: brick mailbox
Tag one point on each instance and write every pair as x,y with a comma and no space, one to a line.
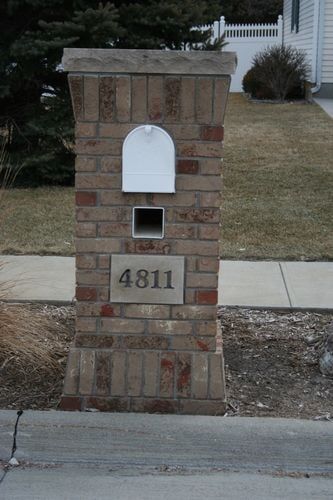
149,131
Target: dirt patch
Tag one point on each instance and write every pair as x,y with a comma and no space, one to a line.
271,370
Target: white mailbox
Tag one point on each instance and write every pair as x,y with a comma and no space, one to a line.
148,161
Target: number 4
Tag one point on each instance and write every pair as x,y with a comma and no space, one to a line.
125,278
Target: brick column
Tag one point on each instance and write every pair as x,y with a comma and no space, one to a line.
147,357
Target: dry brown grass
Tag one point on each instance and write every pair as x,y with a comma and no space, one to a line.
278,181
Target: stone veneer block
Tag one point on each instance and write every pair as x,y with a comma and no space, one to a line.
130,356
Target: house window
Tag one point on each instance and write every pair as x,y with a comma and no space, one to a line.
295,16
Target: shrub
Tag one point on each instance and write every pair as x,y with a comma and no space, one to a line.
278,72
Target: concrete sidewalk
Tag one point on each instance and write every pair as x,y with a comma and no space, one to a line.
73,455
282,285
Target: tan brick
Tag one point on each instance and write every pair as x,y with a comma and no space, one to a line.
76,89
85,129
84,164
107,98
167,375
145,342
210,232
100,214
119,198
193,312
85,324
107,404
208,264
167,327
98,181
197,215
196,149
193,247
72,372
220,99
103,294
187,113
104,261
91,98
173,200
216,377
189,296
207,328
89,277
147,311
120,325
85,261
139,99
103,373
204,100
210,199
183,132
85,230
150,374
87,372
155,98
201,280
84,309
172,93
134,373
115,130
110,164
118,373
99,147
123,98
180,231
112,229
199,183
191,343
92,245
211,166
191,263
200,376
184,375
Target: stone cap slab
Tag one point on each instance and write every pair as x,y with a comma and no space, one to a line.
149,61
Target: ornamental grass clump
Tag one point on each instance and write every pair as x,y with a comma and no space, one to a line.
278,72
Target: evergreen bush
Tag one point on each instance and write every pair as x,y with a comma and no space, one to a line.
278,72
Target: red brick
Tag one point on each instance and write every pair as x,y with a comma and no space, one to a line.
70,403
85,198
197,215
148,247
167,374
190,148
212,133
184,369
206,297
187,166
86,293
107,310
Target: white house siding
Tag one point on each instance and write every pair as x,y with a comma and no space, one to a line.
327,55
303,40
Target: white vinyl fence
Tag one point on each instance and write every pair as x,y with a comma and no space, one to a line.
246,40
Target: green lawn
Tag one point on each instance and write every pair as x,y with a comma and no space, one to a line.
277,197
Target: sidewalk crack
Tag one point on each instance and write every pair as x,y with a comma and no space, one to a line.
285,285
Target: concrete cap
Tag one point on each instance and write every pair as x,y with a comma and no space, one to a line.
149,61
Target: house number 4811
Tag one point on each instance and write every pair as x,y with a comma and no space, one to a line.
147,279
